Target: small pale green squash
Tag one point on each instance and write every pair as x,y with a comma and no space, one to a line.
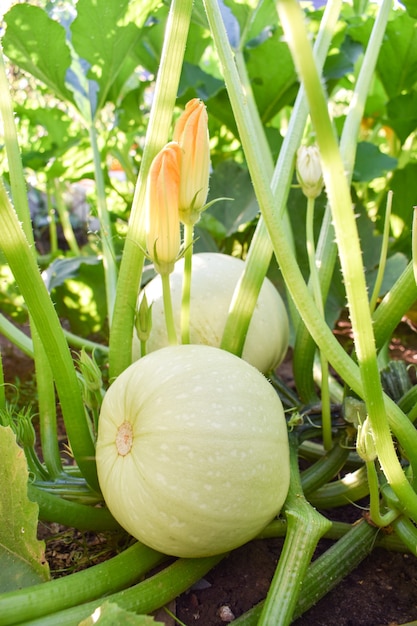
192,451
213,281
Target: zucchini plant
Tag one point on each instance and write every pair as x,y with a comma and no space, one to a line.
180,431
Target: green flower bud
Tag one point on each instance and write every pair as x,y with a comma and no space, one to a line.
143,319
365,442
91,380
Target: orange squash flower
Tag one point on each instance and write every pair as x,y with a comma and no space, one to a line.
191,132
162,210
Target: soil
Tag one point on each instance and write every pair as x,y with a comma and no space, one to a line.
382,591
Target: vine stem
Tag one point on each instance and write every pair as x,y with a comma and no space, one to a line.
19,256
169,314
350,254
166,87
318,298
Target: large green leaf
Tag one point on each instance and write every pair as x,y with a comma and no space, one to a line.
22,561
402,112
397,61
103,34
38,45
272,75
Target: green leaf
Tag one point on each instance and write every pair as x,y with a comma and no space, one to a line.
109,614
22,560
230,180
402,111
103,35
38,45
371,163
411,6
272,75
195,82
397,62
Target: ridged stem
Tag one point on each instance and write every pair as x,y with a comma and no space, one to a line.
305,526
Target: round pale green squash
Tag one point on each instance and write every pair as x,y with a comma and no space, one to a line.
214,278
192,451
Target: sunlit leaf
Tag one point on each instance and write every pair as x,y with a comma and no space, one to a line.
38,45
103,36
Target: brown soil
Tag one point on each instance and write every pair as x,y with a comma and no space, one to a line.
382,591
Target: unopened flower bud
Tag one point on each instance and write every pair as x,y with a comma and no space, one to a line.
91,380
162,214
191,132
365,442
143,319
309,173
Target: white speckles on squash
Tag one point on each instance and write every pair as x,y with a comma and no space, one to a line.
204,466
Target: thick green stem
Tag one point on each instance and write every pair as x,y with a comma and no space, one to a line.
394,306
47,411
113,575
120,354
305,526
142,598
352,487
23,265
325,468
53,508
349,250
256,148
326,249
327,571
16,242
295,283
186,283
